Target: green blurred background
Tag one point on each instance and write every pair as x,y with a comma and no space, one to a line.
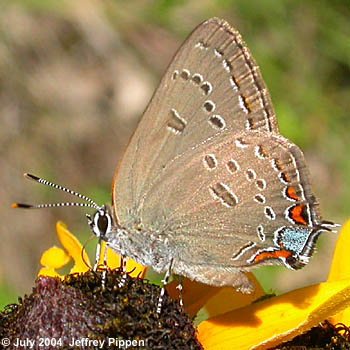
75,77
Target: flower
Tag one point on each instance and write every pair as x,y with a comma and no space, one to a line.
235,320
55,258
89,309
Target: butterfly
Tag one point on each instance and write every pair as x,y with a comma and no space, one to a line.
207,187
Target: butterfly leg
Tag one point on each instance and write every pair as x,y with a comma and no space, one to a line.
165,281
97,260
179,288
104,273
98,247
97,254
123,261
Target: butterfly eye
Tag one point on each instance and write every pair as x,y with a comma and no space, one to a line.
102,222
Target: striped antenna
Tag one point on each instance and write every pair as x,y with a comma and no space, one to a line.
90,204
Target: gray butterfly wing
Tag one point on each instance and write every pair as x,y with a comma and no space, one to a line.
232,202
176,191
211,85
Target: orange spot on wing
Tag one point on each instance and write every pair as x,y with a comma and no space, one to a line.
278,164
296,214
291,193
285,177
273,255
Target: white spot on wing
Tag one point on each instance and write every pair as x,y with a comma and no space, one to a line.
226,66
207,88
176,123
197,78
298,175
247,125
185,74
232,166
201,45
250,175
210,162
260,184
260,232
217,122
259,198
243,250
269,213
242,105
274,165
233,84
258,152
240,144
217,53
209,106
224,194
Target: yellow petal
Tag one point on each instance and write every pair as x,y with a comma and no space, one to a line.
229,299
133,268
340,268
55,258
113,259
215,300
270,322
74,249
49,272
194,294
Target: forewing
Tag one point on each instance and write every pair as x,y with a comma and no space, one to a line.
211,86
